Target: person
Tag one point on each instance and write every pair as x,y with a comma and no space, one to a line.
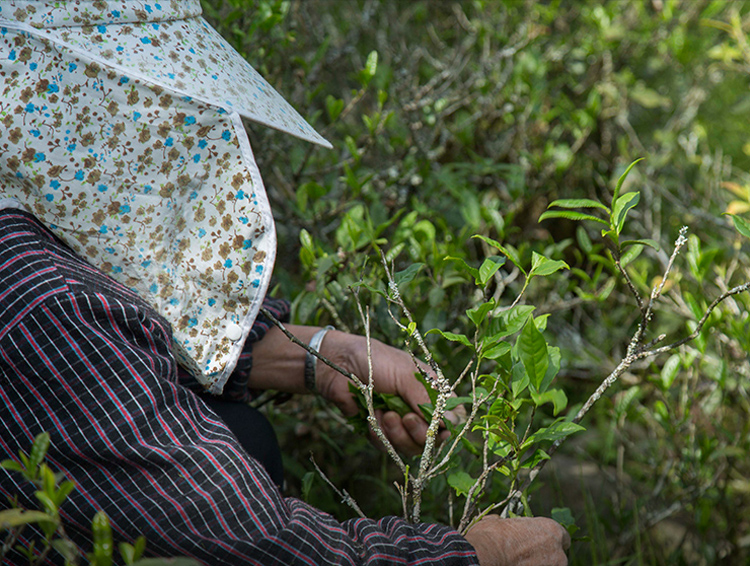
136,247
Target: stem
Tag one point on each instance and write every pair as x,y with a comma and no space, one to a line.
343,494
371,419
636,352
440,383
265,312
695,333
368,389
10,541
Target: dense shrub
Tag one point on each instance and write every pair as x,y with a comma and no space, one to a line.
455,119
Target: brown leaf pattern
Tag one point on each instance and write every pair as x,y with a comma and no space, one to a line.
157,189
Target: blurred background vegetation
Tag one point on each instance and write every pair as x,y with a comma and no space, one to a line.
450,119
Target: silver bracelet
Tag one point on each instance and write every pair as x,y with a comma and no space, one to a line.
311,361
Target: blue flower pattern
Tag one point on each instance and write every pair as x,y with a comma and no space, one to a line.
127,180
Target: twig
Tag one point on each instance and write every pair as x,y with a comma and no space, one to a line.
368,390
441,385
480,484
635,352
694,334
631,286
340,324
656,292
265,312
342,493
371,419
11,540
475,405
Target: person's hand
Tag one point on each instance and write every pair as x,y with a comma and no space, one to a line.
519,541
393,372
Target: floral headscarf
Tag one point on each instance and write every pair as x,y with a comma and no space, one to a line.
122,132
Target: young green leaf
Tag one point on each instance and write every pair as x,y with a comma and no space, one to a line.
394,252
570,215
644,242
630,254
564,516
488,268
371,66
67,548
47,502
584,242
498,427
334,106
542,266
511,321
478,314
369,70
465,267
351,146
12,466
532,349
519,380
395,403
496,350
741,225
537,457
63,490
102,539
621,180
577,203
48,479
508,252
139,547
39,449
451,336
127,552
407,275
669,371
554,367
620,209
461,482
558,429
453,402
12,518
555,396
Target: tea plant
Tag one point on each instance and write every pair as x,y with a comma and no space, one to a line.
492,110
52,492
511,368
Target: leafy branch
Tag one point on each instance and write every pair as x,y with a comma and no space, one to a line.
52,492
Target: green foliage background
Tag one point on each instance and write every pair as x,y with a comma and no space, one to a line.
470,119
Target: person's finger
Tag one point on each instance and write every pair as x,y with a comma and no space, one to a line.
566,538
455,416
413,392
393,427
416,427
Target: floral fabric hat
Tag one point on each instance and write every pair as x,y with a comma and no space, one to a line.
121,131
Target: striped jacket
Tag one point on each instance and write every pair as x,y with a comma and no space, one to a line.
85,359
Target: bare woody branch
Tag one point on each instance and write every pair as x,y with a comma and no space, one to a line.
636,352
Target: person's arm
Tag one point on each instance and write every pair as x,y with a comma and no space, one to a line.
278,364
96,373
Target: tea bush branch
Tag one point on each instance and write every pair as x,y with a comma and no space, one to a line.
52,492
